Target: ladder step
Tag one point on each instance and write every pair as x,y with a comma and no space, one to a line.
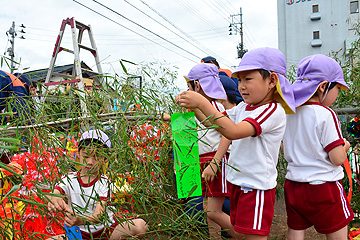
67,50
81,25
87,48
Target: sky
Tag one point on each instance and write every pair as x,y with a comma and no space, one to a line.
178,32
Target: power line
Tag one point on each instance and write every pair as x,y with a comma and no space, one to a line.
230,3
217,9
115,38
176,27
190,37
196,13
225,6
248,30
144,28
131,30
163,25
48,30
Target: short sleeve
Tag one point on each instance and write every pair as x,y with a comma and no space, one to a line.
233,112
63,185
330,131
267,118
104,189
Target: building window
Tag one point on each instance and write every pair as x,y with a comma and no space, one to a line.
316,34
354,6
315,8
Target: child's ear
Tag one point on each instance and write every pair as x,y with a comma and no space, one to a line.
273,80
322,86
197,86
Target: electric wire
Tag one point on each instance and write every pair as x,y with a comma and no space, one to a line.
202,35
145,28
178,28
48,30
217,9
225,6
186,34
117,38
197,14
230,4
164,25
132,30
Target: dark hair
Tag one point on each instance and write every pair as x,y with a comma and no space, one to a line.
192,83
332,85
96,143
214,62
232,98
34,84
264,73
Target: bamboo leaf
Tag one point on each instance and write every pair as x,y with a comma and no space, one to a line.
123,67
10,140
12,190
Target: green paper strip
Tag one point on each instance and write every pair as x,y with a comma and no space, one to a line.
186,154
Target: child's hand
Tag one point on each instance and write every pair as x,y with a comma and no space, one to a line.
209,172
189,99
166,117
71,219
57,204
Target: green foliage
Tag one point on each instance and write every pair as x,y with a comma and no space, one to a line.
152,196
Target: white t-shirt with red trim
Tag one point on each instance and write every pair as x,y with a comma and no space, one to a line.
209,139
255,158
83,197
310,134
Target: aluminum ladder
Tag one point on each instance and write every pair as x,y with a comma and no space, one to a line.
77,30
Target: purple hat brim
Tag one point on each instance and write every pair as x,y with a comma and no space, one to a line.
244,68
305,89
285,94
213,88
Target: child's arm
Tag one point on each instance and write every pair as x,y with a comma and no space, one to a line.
72,219
201,117
338,154
56,203
210,171
228,128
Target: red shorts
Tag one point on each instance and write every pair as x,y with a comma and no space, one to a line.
102,234
252,213
219,187
323,205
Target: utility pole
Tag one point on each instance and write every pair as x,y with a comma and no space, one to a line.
236,26
11,33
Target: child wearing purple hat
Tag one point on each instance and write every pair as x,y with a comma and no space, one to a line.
256,127
315,149
204,79
88,194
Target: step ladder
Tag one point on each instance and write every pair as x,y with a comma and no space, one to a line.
77,30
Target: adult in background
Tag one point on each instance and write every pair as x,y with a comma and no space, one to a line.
224,72
13,94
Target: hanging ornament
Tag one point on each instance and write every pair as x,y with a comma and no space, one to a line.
353,127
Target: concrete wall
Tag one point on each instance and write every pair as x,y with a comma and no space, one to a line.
296,27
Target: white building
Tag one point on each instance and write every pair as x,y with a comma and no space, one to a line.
308,27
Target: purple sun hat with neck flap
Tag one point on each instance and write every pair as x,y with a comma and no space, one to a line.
208,76
311,72
273,60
